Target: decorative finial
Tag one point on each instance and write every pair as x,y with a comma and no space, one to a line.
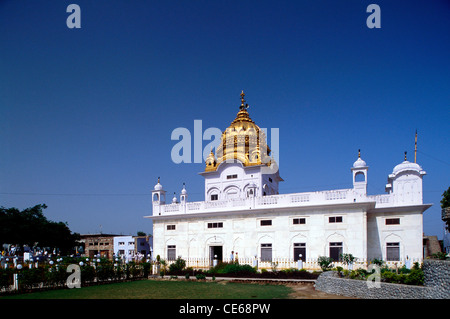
158,179
405,155
359,153
243,104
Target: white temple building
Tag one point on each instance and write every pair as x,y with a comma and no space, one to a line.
244,213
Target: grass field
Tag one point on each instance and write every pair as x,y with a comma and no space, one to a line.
162,289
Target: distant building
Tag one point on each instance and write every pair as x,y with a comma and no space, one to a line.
95,244
132,247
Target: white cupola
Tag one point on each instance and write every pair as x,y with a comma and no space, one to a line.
359,172
183,196
158,197
174,199
158,194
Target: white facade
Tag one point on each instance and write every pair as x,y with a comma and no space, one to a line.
243,212
132,247
124,247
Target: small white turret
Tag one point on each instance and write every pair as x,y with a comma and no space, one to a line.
359,171
183,196
158,198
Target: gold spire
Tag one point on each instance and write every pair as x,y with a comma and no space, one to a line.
405,155
359,153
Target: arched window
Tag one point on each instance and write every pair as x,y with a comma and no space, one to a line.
155,197
360,177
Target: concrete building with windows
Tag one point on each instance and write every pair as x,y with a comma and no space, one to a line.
244,215
132,247
97,245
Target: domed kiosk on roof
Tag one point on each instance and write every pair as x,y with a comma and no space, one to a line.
405,182
359,171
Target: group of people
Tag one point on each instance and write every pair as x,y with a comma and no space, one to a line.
234,256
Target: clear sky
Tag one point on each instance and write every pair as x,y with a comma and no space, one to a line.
86,115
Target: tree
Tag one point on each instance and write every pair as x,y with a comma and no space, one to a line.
30,227
445,202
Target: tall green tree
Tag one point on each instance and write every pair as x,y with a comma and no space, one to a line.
445,202
30,227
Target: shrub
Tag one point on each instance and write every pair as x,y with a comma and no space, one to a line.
56,277
439,255
177,266
146,267
415,277
234,269
378,262
200,277
87,274
348,258
325,262
6,278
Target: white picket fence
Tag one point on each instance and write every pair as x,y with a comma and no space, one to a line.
285,263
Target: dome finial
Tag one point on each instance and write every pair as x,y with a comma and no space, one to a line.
359,153
243,104
405,155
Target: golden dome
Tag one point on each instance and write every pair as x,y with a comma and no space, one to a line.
243,140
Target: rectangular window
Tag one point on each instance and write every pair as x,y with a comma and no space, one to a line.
392,251
336,251
171,252
336,219
232,176
299,251
214,197
266,252
121,243
266,222
170,227
215,225
298,221
121,252
392,221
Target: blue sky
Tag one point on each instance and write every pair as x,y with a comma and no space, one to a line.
87,114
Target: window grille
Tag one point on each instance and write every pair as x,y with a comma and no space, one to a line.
266,252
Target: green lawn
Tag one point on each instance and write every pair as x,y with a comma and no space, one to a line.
158,289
